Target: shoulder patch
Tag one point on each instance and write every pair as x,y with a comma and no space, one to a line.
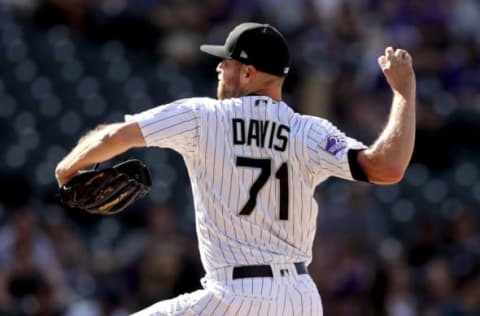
335,144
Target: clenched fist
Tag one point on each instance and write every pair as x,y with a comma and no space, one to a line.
398,70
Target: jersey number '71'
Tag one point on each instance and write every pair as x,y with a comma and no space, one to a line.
265,171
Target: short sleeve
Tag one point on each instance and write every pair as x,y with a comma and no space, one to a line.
175,125
327,150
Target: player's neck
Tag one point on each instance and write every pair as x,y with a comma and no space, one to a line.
273,92
267,85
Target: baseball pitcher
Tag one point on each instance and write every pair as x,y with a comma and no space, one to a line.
254,164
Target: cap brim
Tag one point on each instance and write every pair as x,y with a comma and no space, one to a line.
215,50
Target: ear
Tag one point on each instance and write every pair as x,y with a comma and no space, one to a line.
249,72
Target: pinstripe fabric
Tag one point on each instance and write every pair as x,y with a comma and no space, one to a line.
213,136
290,295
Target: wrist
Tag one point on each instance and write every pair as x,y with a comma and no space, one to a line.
61,174
407,94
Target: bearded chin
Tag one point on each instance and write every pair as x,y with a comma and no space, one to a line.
222,92
232,91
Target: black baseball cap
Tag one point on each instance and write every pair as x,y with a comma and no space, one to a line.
259,45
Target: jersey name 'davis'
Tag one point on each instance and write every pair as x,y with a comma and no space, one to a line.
261,133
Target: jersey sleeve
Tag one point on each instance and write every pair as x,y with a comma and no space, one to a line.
174,125
328,150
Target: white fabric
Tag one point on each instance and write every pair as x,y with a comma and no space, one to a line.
230,148
290,294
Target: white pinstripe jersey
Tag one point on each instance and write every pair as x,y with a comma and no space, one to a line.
253,164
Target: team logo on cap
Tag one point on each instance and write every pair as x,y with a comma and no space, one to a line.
243,54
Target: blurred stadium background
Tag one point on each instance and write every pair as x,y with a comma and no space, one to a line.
67,66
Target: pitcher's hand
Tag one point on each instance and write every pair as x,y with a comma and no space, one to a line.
398,70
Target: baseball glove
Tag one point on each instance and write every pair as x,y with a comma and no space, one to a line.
109,190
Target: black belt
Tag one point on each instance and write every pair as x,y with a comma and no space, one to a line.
264,271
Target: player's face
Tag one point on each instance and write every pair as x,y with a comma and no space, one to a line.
229,83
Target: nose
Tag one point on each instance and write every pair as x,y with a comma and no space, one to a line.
219,66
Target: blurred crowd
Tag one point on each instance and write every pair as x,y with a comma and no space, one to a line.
334,44
411,249
50,266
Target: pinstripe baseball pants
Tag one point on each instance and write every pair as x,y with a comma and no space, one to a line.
286,293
